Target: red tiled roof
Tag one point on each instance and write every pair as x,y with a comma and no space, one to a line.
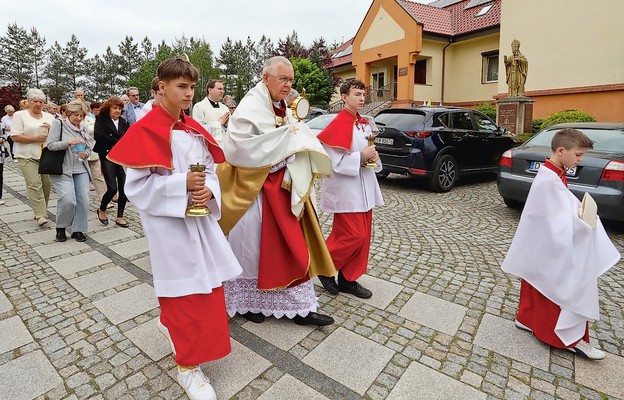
338,61
454,19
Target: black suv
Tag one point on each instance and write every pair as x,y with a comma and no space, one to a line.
439,143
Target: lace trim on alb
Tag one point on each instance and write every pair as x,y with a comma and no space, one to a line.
243,296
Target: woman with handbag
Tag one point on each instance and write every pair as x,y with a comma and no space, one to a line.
72,186
110,126
29,131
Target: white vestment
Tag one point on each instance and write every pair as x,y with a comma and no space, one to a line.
560,255
208,116
351,188
189,255
252,141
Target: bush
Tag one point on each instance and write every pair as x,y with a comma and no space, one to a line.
567,116
487,109
536,125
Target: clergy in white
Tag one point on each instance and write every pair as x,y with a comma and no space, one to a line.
211,113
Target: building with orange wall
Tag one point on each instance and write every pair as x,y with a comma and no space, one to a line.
451,52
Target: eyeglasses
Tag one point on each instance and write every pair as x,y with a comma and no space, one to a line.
284,79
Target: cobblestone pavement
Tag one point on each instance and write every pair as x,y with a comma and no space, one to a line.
78,320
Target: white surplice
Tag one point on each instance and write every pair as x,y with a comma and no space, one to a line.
188,255
208,116
341,193
560,255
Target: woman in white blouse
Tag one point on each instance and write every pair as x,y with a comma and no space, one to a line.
29,132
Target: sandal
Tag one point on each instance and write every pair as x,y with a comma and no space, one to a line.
102,221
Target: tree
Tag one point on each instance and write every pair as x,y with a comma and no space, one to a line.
10,94
75,58
290,47
147,50
317,83
129,59
142,79
200,55
16,65
111,61
36,44
57,79
264,51
98,86
228,64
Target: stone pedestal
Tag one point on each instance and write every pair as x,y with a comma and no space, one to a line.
515,114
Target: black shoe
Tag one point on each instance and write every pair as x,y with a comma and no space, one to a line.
355,289
102,221
79,236
313,319
60,235
254,317
329,283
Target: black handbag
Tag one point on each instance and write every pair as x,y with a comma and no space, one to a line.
51,162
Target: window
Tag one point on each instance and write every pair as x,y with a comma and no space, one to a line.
490,67
461,120
484,10
379,82
420,72
484,123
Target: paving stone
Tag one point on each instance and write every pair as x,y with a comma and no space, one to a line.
421,382
433,312
288,388
127,304
42,237
147,337
144,264
57,249
102,280
606,375
384,292
14,334
279,332
347,350
5,304
501,336
242,363
131,247
36,377
111,235
70,266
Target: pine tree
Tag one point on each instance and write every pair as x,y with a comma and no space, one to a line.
57,79
75,58
97,86
264,51
38,55
129,59
111,63
201,56
147,50
16,65
291,47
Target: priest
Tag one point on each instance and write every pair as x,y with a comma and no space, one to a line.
268,211
211,113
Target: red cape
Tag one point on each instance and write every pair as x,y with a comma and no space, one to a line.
339,132
148,141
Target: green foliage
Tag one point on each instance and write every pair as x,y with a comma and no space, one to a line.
525,136
536,125
567,116
316,81
487,109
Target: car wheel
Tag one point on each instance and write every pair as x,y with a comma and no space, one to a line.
444,174
515,204
383,174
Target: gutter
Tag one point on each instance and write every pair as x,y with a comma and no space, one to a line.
450,41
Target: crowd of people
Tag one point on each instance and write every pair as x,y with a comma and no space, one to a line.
259,243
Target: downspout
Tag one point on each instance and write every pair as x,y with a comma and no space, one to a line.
444,68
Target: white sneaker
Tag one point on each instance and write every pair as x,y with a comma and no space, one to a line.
1,202
165,332
196,385
42,221
585,349
522,326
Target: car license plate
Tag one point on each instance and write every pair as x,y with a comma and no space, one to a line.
383,140
534,166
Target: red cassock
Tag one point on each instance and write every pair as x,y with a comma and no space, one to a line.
197,322
538,312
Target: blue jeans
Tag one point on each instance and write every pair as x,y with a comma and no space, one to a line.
72,206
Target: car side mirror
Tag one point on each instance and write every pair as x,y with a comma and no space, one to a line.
501,130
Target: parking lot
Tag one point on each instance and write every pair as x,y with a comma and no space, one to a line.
78,320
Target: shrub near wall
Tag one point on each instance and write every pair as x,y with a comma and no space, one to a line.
567,116
487,109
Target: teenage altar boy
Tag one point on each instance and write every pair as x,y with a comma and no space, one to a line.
558,255
190,256
351,192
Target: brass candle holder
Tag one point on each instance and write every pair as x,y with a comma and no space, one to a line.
197,210
371,142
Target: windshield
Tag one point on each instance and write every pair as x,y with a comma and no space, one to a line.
402,121
611,140
321,121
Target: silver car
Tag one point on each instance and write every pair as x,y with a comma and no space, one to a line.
601,173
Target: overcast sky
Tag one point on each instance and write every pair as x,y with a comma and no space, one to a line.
99,24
